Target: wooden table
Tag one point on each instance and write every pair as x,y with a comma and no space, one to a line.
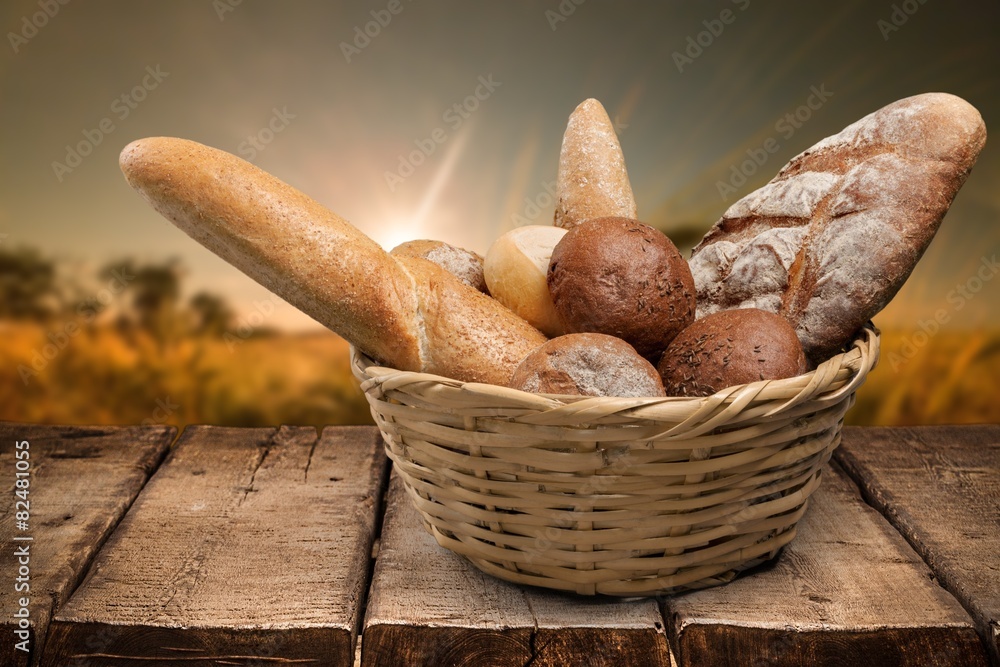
281,547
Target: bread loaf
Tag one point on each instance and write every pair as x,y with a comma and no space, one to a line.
587,364
622,278
465,265
592,181
405,312
728,348
831,239
515,269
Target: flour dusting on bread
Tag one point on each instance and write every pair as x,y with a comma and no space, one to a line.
831,239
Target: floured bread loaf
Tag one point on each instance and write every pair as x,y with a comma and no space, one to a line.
465,265
592,181
587,364
831,239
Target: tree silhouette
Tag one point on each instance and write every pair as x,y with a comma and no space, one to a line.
212,314
155,291
27,285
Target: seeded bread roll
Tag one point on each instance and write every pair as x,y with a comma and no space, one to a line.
592,181
516,267
619,277
587,364
406,312
831,239
728,348
465,265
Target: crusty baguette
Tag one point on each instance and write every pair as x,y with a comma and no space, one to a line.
831,239
407,313
592,181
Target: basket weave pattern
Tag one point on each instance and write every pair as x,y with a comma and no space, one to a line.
615,496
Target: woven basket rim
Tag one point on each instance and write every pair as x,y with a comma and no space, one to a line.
836,377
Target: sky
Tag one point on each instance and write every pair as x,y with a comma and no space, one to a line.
419,119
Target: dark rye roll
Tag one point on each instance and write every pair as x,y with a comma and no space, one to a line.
619,277
728,348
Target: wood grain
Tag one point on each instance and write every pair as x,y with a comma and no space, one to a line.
847,590
940,486
249,546
428,606
82,482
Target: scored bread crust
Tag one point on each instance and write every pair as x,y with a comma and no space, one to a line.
464,264
831,239
407,313
469,336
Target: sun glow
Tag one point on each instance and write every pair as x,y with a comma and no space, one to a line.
398,230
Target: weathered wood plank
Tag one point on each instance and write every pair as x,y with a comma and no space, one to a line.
81,482
249,546
428,606
847,590
940,486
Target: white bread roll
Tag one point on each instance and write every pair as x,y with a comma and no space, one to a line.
408,313
515,269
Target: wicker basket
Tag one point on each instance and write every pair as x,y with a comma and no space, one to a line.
617,496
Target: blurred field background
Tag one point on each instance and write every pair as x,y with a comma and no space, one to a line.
119,345
99,325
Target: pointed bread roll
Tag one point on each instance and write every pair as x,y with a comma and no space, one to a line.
592,181
405,312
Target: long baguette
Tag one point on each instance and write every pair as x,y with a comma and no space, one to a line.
407,313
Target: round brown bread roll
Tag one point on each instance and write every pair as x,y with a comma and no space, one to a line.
465,265
728,348
619,277
587,364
